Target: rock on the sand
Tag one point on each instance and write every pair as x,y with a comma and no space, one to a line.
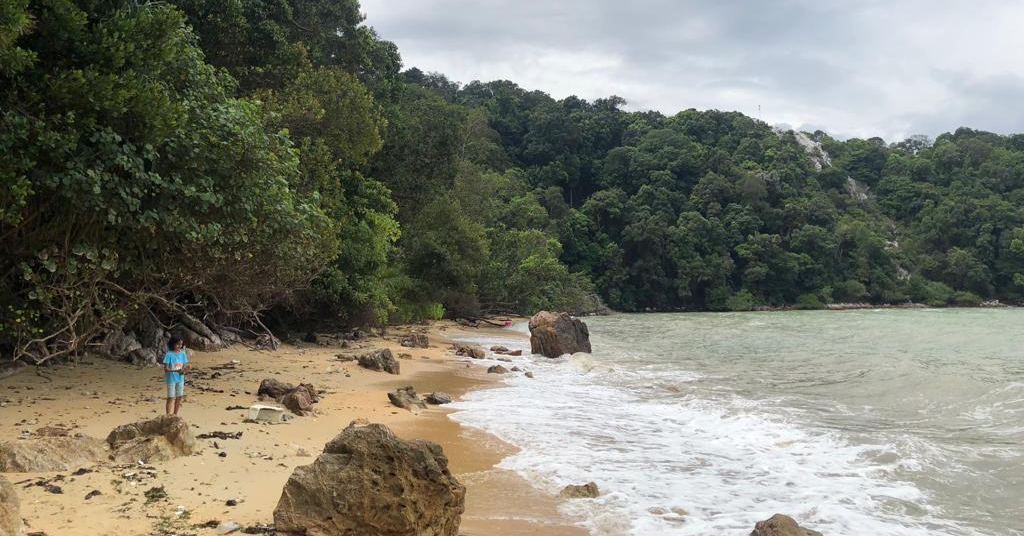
163,438
584,491
50,454
382,360
10,510
416,340
438,398
497,369
557,334
275,389
367,481
298,402
468,350
406,398
781,525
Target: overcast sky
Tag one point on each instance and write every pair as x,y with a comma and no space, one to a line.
886,68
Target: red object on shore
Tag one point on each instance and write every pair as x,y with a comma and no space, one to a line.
508,323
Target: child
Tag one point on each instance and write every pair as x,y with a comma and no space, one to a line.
175,367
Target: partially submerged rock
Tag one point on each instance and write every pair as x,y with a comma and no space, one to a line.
468,350
406,398
781,525
584,491
382,360
50,454
156,440
497,369
557,334
438,398
10,510
367,481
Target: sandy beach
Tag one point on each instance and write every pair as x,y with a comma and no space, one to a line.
97,395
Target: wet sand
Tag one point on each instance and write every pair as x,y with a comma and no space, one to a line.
94,397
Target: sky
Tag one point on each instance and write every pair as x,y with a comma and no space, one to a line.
889,68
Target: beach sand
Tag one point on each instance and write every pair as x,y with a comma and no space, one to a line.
97,395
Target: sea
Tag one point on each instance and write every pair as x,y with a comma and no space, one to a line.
866,422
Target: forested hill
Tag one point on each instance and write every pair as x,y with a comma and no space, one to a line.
207,165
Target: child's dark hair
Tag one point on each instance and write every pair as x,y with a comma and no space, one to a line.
173,343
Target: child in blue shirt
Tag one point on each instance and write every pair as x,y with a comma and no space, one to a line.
175,367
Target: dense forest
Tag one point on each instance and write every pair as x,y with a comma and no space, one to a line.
234,164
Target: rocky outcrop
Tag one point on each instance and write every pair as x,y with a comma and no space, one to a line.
158,440
557,334
781,525
416,340
367,481
406,398
584,491
10,510
468,350
382,360
50,454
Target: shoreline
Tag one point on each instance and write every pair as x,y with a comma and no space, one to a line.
94,397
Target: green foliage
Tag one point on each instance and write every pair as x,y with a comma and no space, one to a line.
808,301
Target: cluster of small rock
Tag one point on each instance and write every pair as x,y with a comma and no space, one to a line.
298,399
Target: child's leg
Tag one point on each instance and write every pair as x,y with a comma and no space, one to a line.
179,396
171,391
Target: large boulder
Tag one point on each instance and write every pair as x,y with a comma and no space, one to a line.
382,360
781,525
10,510
50,454
156,440
557,334
367,481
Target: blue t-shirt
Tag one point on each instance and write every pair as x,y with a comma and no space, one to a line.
170,359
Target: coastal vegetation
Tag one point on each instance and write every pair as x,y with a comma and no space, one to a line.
244,163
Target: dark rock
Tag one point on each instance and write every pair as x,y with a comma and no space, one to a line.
161,439
298,402
585,491
275,389
416,340
468,350
231,502
557,334
781,525
529,374
10,510
496,369
381,360
438,398
406,398
311,337
50,454
515,369
92,494
499,349
367,481
515,353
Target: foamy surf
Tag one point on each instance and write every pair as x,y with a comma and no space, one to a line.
680,452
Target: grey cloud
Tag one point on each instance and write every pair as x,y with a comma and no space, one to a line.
861,67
